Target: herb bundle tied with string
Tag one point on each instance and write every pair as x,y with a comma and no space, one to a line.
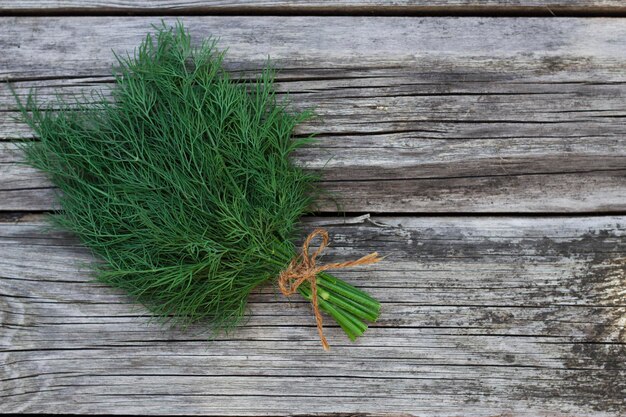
182,184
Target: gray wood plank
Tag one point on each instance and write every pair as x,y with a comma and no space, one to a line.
548,7
600,188
557,49
415,115
481,316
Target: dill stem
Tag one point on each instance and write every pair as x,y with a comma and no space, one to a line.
350,324
334,284
346,304
347,291
362,312
334,280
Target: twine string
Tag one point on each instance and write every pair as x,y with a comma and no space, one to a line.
303,268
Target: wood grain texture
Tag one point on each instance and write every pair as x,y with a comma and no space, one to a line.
415,114
23,188
547,7
481,317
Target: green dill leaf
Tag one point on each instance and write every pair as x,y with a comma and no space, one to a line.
182,183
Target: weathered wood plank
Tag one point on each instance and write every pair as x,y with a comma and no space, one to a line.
481,316
25,189
557,49
415,115
547,7
601,188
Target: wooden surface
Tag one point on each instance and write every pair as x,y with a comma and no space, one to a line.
444,115
487,316
518,313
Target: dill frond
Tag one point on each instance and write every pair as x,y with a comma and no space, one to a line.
182,183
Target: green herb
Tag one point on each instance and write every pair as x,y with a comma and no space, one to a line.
183,185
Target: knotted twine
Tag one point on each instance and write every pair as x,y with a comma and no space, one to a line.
303,268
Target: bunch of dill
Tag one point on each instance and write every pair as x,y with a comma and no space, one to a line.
183,185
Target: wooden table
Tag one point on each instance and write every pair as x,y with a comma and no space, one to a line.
486,138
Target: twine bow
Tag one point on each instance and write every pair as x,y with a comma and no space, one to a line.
303,268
